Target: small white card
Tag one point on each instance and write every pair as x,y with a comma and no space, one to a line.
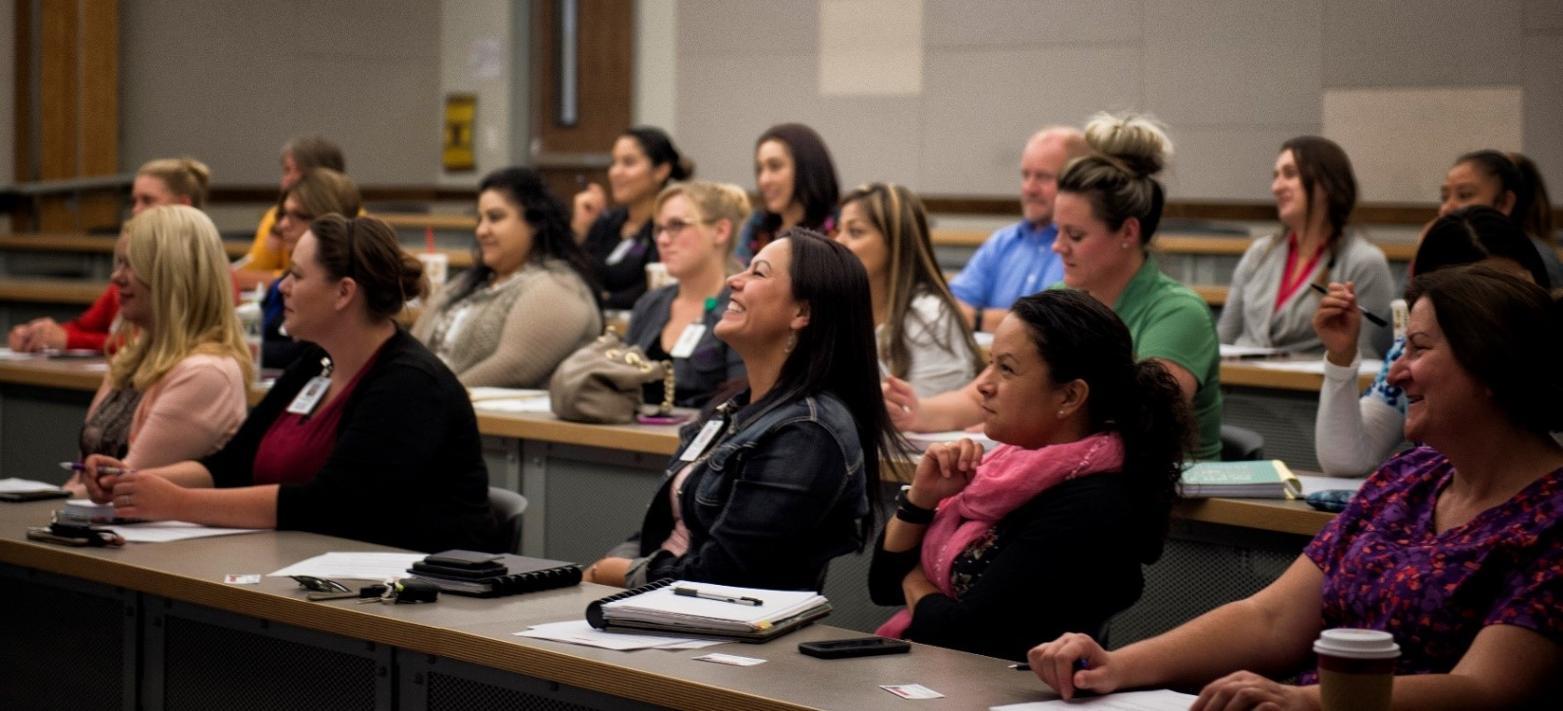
687,340
308,398
730,659
912,691
698,446
251,579
617,255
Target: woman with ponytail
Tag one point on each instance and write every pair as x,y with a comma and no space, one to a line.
1091,448
367,436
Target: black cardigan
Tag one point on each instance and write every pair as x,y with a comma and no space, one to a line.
407,469
1064,561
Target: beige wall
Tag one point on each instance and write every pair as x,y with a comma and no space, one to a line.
1233,78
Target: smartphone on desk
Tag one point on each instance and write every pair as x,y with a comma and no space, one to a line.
857,647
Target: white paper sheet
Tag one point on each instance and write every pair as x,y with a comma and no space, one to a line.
923,440
490,393
582,633
1230,351
530,404
165,531
354,566
1159,700
13,485
1315,366
8,354
1312,483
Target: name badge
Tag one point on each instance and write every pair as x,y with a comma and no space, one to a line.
1401,316
309,398
687,340
617,255
697,447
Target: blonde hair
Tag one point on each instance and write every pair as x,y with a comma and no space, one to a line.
185,177
1119,175
176,251
715,201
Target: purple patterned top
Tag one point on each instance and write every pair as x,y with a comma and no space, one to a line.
1386,569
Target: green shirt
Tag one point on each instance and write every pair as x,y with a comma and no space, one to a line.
1167,320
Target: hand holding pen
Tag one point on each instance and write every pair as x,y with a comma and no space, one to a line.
99,474
1075,662
1338,321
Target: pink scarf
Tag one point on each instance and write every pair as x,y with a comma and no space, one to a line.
1007,478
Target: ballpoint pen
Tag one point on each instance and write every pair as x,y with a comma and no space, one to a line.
78,467
736,600
1369,315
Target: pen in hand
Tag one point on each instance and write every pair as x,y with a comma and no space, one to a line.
1369,315
78,467
736,600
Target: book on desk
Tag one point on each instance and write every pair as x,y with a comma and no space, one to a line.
495,575
1259,479
708,610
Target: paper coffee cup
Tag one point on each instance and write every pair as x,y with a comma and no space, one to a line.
657,276
435,266
1356,669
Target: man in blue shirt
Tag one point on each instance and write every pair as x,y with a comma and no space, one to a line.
1018,260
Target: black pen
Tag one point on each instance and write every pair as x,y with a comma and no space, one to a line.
1369,315
736,600
1080,665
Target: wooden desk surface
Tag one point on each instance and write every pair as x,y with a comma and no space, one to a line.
480,631
1239,373
51,291
662,440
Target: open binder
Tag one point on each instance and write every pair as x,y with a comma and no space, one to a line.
696,609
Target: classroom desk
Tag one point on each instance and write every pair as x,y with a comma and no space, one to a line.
1281,405
588,486
154,626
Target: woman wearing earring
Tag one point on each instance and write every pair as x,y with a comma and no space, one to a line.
1090,453
695,226
1272,300
777,480
922,338
367,436
619,240
796,179
526,303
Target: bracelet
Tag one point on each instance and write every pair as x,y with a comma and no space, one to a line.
910,512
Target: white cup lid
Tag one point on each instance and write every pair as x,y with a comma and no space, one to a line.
1357,644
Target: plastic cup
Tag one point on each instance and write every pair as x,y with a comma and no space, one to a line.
657,276
1356,669
435,266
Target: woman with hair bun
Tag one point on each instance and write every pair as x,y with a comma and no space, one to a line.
163,181
1511,184
1451,547
619,240
1108,207
367,436
1271,303
526,303
1091,446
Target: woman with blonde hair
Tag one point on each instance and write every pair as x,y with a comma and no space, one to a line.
164,181
921,336
695,225
176,389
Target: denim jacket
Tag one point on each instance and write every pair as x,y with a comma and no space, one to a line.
777,495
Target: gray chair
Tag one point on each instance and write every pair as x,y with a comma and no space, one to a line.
1241,444
506,507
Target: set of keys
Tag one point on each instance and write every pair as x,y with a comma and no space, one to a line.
392,592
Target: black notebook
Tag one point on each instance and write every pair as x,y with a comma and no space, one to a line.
688,608
497,575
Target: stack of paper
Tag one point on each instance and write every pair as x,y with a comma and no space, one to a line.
709,609
354,566
509,399
923,440
579,632
1263,479
13,485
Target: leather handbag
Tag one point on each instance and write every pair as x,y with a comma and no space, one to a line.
601,382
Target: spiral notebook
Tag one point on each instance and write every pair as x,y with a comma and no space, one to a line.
708,610
510,575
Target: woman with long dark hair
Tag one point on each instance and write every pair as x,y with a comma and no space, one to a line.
796,179
777,480
1091,449
526,303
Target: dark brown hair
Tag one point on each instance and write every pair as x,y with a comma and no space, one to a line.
1322,162
365,250
814,183
1507,333
315,152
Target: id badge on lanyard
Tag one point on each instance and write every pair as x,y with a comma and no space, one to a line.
305,402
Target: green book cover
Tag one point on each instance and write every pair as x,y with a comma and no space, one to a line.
1259,475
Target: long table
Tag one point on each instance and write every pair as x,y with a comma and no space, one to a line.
588,486
155,626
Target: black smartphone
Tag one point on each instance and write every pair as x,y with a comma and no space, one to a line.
41,495
858,647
